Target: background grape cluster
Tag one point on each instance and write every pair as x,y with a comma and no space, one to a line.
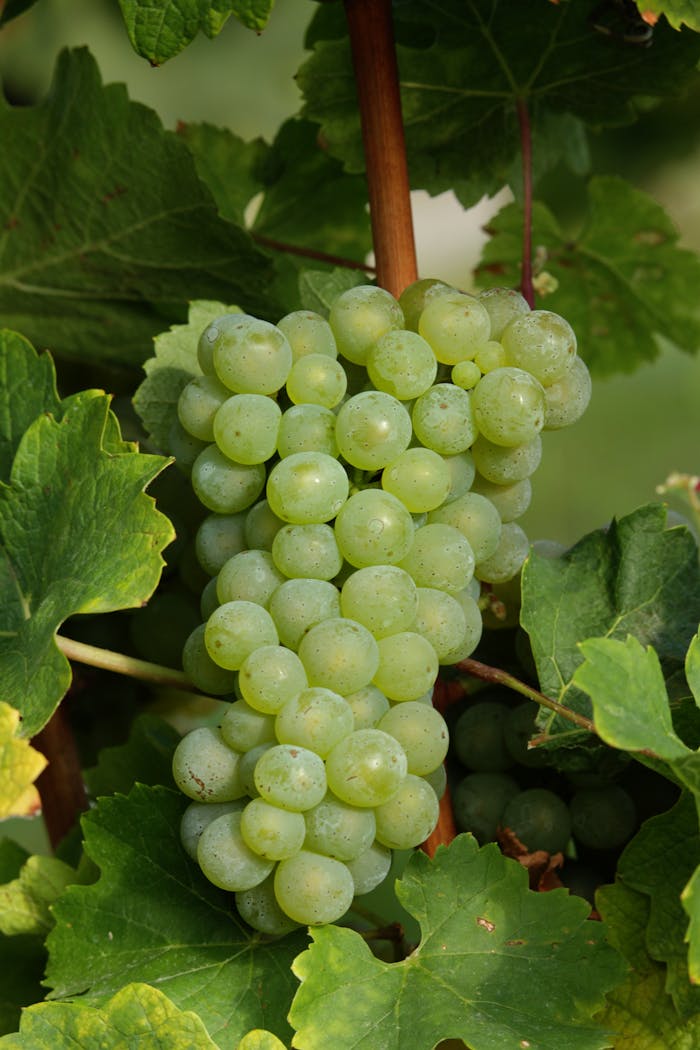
363,475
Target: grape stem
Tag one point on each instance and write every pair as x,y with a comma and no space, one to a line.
526,285
310,253
108,660
495,674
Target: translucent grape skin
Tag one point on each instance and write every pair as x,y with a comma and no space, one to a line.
225,858
409,816
366,768
422,733
313,889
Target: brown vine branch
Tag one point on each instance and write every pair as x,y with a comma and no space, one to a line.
377,80
526,285
494,674
310,253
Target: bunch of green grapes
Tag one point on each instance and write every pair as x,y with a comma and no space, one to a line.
490,739
362,475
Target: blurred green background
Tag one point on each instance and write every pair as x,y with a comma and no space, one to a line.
638,428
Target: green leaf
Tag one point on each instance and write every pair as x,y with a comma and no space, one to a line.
260,1040
25,902
658,862
95,246
630,703
318,289
78,535
622,279
146,758
463,66
20,765
160,29
153,917
676,12
27,388
635,577
488,943
690,899
227,164
639,1010
138,1017
692,667
13,8
174,364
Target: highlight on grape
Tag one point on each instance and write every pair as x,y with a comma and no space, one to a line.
364,475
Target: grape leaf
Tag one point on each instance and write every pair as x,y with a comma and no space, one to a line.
22,962
635,577
160,29
20,765
658,862
487,941
153,917
174,364
27,388
622,280
77,535
690,899
25,902
146,758
464,66
103,216
260,1040
227,164
677,12
630,703
319,289
639,1010
692,667
138,1017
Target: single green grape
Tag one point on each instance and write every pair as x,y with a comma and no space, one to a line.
370,868
478,740
307,428
246,427
218,538
504,466
360,316
422,733
402,363
366,768
476,518
259,908
225,858
456,325
313,889
604,817
316,718
235,629
542,343
307,551
372,429
373,528
224,486
271,832
443,419
308,333
270,676
420,478
244,728
381,597
440,556
339,654
338,830
409,816
509,406
307,487
250,576
503,305
291,777
408,666
317,379
298,604
205,768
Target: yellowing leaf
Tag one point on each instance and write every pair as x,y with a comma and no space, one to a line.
20,765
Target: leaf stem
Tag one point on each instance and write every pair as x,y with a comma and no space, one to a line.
310,253
526,285
377,81
495,674
108,660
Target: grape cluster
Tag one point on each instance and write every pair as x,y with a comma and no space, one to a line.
490,741
362,474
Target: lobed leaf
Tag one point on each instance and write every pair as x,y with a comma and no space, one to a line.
639,1010
635,577
487,942
677,12
152,917
659,862
138,1017
145,758
630,703
160,29
174,364
94,247
77,534
464,66
622,280
20,765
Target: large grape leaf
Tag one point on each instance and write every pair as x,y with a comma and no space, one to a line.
677,12
172,367
27,388
498,966
145,758
658,862
639,1010
77,535
622,279
635,577
160,29
138,1017
105,223
153,917
463,67
20,765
